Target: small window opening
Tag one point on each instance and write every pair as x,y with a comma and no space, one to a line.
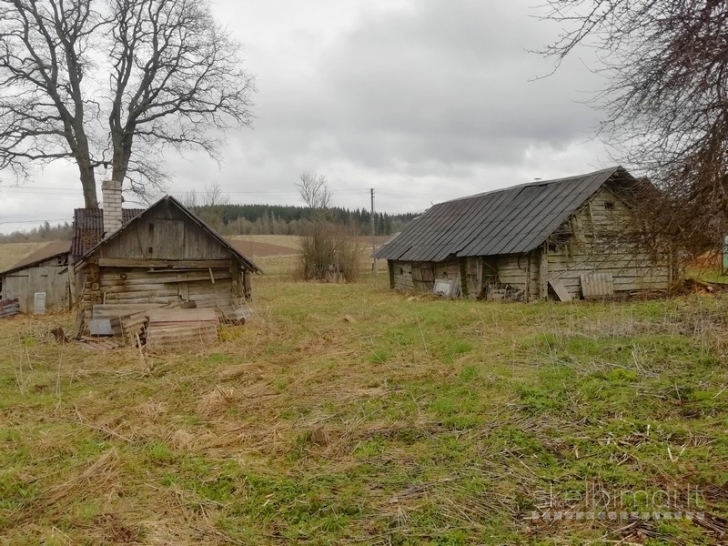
609,205
401,271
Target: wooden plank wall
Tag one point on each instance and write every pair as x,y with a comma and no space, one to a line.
48,276
512,270
420,276
591,248
520,271
401,276
164,233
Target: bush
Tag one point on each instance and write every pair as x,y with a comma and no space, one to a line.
328,252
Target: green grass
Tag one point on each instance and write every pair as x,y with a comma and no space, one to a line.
420,421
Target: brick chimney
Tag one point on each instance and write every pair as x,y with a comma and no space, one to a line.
111,193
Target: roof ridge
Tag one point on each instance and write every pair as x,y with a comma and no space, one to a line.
534,183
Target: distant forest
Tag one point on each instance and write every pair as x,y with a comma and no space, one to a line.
247,220
287,220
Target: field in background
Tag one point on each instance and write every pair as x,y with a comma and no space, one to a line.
275,254
12,253
351,414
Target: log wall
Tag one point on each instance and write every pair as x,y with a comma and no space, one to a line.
420,276
595,240
162,257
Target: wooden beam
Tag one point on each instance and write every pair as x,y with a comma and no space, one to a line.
247,289
164,264
543,273
463,270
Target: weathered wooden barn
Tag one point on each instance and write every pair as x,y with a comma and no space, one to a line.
45,273
162,255
567,238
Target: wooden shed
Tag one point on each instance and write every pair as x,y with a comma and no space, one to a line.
162,255
44,272
567,238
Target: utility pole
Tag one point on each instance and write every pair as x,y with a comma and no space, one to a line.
375,267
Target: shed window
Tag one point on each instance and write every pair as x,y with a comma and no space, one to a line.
401,271
609,205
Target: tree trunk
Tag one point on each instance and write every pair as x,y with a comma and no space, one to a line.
86,171
122,154
88,183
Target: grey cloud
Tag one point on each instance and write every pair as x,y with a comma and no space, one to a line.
401,98
447,81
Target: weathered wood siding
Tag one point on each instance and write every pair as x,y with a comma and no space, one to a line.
164,233
596,240
420,276
49,276
401,275
520,272
163,257
447,270
107,285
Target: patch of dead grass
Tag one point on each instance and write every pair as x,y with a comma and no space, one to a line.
438,420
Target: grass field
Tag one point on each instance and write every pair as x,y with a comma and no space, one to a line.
12,253
348,414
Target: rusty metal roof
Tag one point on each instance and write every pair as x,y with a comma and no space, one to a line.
508,221
46,252
88,228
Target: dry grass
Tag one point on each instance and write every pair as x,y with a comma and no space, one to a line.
291,242
349,414
12,253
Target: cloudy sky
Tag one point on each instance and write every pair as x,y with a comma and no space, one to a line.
423,100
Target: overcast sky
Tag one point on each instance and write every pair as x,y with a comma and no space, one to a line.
423,100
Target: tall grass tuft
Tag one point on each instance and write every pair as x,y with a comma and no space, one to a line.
328,252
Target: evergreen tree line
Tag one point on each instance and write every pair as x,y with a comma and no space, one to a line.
246,220
289,220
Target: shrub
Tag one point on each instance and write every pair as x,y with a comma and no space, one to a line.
328,252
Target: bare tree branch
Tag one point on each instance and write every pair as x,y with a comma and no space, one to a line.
665,104
314,191
175,80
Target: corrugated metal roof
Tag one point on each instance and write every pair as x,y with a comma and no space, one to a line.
508,221
88,228
50,250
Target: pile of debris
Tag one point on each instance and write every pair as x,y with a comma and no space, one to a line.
8,308
156,326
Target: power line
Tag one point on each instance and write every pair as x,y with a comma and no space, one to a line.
77,188
35,221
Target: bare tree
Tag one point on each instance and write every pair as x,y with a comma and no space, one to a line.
328,250
214,195
174,80
314,191
666,100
